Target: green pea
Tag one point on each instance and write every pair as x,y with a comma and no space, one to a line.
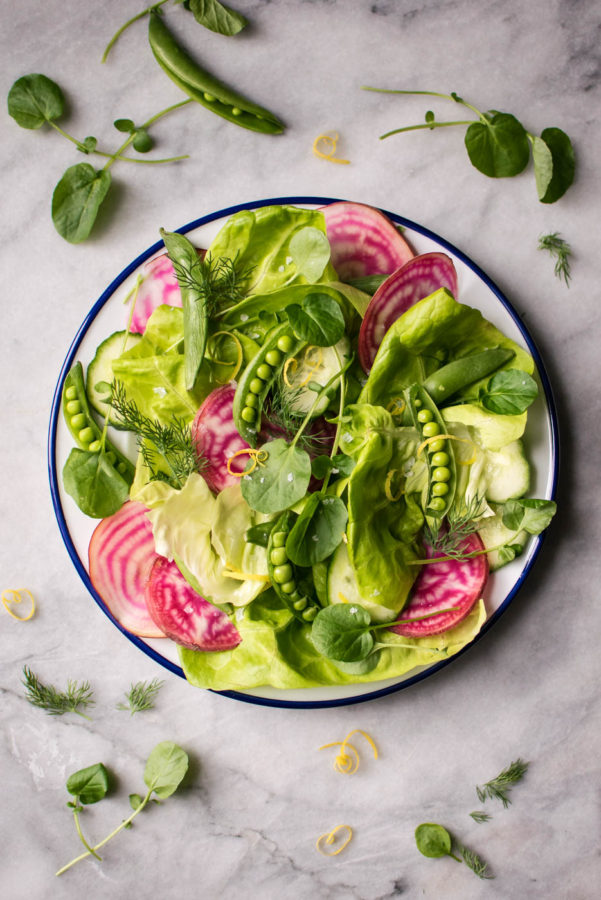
122,468
440,459
282,574
279,539
431,429
437,503
251,400
236,111
285,343
79,420
309,614
441,473
248,414
111,458
424,415
210,98
278,556
437,446
299,605
95,446
73,406
273,357
86,435
288,587
71,393
264,372
256,386
440,489
417,403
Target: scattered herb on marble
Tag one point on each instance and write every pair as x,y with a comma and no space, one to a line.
498,788
34,101
480,816
165,769
561,251
141,696
55,702
434,841
499,146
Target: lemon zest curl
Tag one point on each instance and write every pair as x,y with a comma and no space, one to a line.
325,840
257,457
330,142
348,763
12,597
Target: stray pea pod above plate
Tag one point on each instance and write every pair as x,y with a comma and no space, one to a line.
474,289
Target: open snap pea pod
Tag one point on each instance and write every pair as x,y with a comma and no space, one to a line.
460,373
442,470
83,426
284,574
258,377
203,87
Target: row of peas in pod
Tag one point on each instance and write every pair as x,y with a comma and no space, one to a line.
442,475
285,576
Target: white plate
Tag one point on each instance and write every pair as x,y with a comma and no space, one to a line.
475,289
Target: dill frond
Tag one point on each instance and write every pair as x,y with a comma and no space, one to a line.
141,696
459,524
285,418
561,251
499,787
480,816
55,702
219,281
476,863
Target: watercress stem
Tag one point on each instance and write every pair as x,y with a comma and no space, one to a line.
430,125
112,158
318,397
336,440
436,559
117,35
81,836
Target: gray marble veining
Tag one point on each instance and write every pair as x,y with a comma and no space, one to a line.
246,824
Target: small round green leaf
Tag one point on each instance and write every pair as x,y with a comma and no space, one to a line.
564,163
498,147
543,166
310,252
279,481
34,100
95,485
77,199
509,392
319,321
342,632
433,840
165,769
318,530
217,17
142,141
89,785
124,125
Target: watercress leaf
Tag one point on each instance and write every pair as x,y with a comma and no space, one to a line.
217,17
280,480
77,199
142,141
343,464
318,530
528,515
34,100
88,145
498,147
543,166
319,321
89,785
564,163
135,801
124,125
507,554
95,485
509,392
259,534
165,769
433,840
342,632
320,466
310,252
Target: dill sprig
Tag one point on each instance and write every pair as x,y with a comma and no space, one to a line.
141,696
480,816
55,702
173,442
476,863
282,414
561,251
459,524
499,787
219,281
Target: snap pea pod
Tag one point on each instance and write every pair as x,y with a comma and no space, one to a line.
184,257
258,378
203,87
83,426
442,470
284,575
460,373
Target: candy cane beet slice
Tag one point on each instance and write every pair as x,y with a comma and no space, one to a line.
159,286
363,241
121,555
418,278
185,616
442,585
217,438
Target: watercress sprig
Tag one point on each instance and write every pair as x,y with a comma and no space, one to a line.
499,146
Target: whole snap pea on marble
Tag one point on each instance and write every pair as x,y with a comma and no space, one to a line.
440,459
284,574
258,377
84,428
460,373
203,87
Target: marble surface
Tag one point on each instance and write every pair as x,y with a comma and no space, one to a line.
260,791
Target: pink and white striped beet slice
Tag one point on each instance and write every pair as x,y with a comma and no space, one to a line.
121,555
442,585
363,241
185,616
418,278
217,438
158,287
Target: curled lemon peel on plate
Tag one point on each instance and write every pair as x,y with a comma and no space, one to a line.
329,142
232,572
397,406
257,458
237,363
326,840
449,437
348,762
13,597
313,359
388,487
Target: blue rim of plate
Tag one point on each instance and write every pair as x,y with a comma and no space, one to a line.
53,474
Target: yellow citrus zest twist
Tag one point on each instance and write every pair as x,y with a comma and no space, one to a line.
329,142
12,597
257,458
328,839
291,363
237,363
450,437
230,571
313,359
348,763
397,406
388,487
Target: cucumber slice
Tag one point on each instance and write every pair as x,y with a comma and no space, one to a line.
342,586
506,473
100,371
493,533
315,365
